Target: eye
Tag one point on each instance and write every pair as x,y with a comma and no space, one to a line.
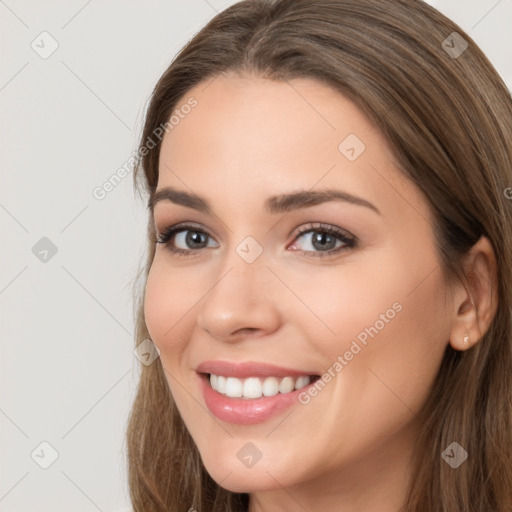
324,240
190,238
320,240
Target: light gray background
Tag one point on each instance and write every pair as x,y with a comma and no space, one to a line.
68,122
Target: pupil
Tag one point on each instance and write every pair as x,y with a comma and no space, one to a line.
193,237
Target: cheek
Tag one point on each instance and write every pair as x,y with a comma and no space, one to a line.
396,286
403,352
167,308
344,303
388,320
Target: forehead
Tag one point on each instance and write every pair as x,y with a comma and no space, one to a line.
265,119
253,137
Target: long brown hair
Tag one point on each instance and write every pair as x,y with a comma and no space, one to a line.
447,116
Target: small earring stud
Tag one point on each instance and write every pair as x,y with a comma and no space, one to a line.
466,339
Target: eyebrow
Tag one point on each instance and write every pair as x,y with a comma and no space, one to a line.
281,203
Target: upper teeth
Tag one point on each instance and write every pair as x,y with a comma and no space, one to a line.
254,387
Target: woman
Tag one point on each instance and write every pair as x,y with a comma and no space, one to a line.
329,271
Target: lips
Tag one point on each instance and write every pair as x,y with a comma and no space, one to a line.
230,402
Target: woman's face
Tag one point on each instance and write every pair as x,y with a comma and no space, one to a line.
261,282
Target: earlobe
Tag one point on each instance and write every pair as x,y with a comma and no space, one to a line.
477,297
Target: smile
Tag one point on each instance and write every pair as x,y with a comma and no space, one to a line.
256,387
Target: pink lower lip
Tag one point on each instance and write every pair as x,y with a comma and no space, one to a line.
245,412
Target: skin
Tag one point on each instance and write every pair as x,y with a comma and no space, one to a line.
349,448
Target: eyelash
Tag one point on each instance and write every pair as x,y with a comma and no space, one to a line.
349,242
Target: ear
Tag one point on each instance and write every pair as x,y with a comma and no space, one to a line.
476,299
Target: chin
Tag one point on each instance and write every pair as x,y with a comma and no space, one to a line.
265,475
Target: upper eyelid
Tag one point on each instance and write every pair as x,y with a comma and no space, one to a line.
181,226
321,226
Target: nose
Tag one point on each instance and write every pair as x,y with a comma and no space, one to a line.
243,302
